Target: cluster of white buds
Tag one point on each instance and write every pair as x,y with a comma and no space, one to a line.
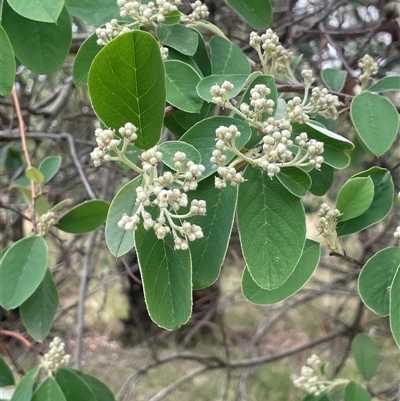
295,111
323,103
396,233
228,174
314,150
326,225
128,132
164,53
269,48
369,67
56,355
200,11
150,158
259,102
308,77
46,221
106,142
311,380
146,14
220,94
110,31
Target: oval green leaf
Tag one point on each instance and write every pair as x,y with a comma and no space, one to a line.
179,37
127,84
119,241
355,197
84,218
22,269
354,392
386,84
39,309
8,66
394,309
376,278
169,149
95,12
181,82
49,390
272,228
101,391
49,167
376,121
366,354
302,273
40,46
334,78
295,180
257,13
6,374
35,174
38,10
24,390
166,277
73,387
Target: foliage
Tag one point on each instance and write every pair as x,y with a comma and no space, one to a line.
247,147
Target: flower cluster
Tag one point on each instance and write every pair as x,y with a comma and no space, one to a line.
110,31
269,49
308,77
369,67
220,94
46,221
323,103
295,111
396,233
327,225
258,103
56,355
200,11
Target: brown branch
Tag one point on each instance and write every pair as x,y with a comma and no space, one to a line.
347,259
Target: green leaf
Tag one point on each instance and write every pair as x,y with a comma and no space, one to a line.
386,84
257,13
95,12
366,354
295,180
179,37
42,205
303,271
127,84
6,374
394,308
49,390
172,18
40,46
119,241
22,269
380,206
238,81
227,57
84,58
167,279
202,137
208,253
355,197
187,120
8,66
39,309
38,10
84,218
169,149
201,56
181,81
376,278
321,180
175,55
73,387
24,389
334,78
376,121
354,392
35,174
49,167
272,228
101,391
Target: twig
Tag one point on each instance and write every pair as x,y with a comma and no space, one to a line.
7,352
347,258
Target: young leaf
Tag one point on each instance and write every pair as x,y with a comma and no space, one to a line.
35,174
167,279
22,269
101,391
42,205
38,10
354,392
366,354
376,121
179,37
380,206
395,307
303,271
169,149
39,309
334,78
355,197
272,228
295,180
24,389
227,57
49,167
73,387
376,278
95,12
386,84
208,253
119,241
84,218
181,81
8,66
49,390
257,13
127,84
40,46
6,374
